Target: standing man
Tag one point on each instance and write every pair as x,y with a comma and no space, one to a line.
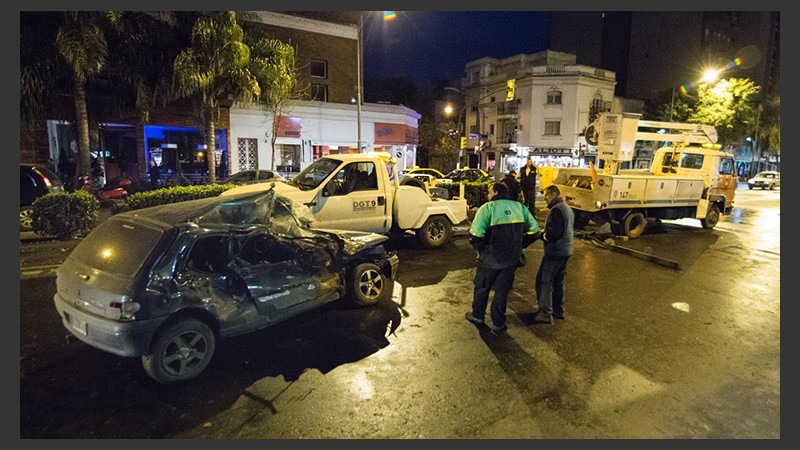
501,229
557,239
511,182
527,181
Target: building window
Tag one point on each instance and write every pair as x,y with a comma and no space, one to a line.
491,129
248,153
552,128
319,92
554,98
319,68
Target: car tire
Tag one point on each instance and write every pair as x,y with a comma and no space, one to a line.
180,351
634,225
772,187
712,217
369,285
750,186
435,232
26,218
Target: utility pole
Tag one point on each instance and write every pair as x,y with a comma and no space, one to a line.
755,145
359,87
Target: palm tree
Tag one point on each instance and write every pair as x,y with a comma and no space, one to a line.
81,42
214,67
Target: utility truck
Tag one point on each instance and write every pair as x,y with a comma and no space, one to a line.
690,177
362,192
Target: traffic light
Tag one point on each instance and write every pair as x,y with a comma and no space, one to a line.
463,142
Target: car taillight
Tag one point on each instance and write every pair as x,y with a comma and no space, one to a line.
124,310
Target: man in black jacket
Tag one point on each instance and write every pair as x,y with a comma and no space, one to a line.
527,181
510,180
501,229
557,239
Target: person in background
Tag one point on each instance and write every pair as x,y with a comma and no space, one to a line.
501,229
557,239
527,182
511,182
155,174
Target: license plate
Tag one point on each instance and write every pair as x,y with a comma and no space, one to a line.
77,325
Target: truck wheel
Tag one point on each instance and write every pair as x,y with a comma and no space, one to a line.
368,285
581,219
435,232
634,225
712,217
180,351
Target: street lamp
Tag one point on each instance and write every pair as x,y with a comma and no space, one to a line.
709,76
448,110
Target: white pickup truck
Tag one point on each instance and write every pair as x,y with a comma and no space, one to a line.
684,181
361,191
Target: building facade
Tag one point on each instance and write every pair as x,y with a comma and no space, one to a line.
536,105
325,119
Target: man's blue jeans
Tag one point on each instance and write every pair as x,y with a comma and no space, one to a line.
550,285
501,280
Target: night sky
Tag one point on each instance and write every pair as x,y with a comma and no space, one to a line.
424,45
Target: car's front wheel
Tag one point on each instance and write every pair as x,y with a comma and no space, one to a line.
180,352
368,284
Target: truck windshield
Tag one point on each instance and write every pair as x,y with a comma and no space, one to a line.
316,173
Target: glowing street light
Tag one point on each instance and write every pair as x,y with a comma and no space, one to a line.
709,76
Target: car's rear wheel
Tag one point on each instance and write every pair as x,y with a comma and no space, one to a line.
712,217
368,284
435,232
26,218
772,186
180,352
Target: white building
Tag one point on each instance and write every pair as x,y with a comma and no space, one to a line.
308,130
534,105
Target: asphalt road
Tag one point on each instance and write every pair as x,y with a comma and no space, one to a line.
648,350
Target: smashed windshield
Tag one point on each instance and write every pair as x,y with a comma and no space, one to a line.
245,209
313,175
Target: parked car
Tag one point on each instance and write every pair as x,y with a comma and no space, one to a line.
765,180
165,283
467,174
252,176
421,171
34,181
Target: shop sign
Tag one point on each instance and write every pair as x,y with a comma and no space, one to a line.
288,127
395,133
553,151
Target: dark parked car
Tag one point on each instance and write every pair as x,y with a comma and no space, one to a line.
34,181
252,176
165,283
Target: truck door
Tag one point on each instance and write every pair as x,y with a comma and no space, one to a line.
353,200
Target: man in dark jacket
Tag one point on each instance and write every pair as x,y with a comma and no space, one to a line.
527,182
511,182
557,239
501,229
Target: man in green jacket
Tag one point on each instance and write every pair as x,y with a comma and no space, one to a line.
501,229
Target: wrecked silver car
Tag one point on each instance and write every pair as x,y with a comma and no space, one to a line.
166,282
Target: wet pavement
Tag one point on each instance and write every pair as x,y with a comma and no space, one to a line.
646,351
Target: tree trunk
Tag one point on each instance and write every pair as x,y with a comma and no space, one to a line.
211,150
82,122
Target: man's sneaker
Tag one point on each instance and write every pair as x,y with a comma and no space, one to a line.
559,316
539,318
477,320
498,330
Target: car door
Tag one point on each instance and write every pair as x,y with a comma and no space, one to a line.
279,277
352,200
